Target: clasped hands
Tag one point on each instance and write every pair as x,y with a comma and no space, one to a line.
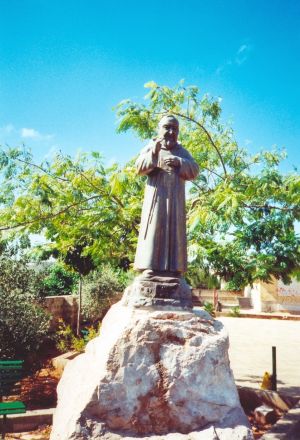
171,161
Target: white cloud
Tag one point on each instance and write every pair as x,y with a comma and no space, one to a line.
242,48
31,133
223,66
242,54
7,129
239,58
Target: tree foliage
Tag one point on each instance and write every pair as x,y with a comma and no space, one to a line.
57,280
87,212
241,210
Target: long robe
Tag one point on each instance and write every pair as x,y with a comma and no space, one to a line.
162,245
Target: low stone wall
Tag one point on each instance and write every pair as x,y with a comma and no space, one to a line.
210,293
61,307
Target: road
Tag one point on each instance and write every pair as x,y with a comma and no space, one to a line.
250,351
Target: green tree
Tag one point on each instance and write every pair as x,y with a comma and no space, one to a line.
74,203
241,210
57,280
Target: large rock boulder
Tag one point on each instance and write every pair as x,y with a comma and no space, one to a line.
151,374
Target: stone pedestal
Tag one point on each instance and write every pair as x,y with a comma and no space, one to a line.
151,374
157,290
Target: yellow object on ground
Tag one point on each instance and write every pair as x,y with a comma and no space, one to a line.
266,382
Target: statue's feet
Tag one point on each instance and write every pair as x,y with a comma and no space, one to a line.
160,276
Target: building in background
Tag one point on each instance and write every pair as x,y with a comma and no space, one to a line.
274,296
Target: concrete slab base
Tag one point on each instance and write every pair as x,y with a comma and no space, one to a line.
29,421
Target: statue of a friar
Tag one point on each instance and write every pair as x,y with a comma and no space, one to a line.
162,239
161,254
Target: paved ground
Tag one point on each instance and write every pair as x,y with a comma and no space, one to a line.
250,352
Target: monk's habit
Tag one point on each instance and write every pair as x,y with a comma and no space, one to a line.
162,237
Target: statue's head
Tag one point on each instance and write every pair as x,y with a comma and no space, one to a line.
168,129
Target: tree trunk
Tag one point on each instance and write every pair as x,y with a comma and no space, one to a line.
79,306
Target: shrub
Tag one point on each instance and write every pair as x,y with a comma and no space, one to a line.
58,281
209,308
17,276
66,339
24,325
235,312
100,291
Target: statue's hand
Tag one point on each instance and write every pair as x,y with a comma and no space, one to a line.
172,161
157,146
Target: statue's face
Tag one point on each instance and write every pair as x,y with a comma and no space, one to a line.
168,131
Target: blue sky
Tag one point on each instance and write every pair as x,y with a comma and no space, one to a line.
65,64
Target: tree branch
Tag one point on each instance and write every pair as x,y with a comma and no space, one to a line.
42,169
56,214
213,172
279,208
208,135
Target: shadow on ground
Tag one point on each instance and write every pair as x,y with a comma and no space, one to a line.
254,381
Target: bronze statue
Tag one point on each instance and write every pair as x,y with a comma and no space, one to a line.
162,238
161,254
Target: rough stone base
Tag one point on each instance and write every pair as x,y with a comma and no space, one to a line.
157,290
231,428
151,375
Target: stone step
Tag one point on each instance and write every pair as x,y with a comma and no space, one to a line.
224,299
228,306
220,295
207,292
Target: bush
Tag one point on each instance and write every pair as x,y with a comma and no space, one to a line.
24,325
235,312
200,278
209,308
58,281
66,339
17,276
100,291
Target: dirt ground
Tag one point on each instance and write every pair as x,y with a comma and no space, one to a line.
38,391
43,433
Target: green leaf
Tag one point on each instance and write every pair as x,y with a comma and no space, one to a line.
150,85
